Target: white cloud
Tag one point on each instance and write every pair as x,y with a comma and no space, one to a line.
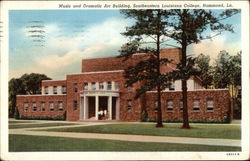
213,47
62,53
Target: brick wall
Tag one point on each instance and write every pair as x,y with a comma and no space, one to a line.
115,63
54,83
220,98
38,99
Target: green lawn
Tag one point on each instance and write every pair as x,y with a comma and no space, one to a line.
201,131
23,143
14,122
15,126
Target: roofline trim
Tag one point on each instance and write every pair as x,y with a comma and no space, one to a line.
99,72
43,95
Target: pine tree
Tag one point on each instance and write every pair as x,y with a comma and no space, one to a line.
146,36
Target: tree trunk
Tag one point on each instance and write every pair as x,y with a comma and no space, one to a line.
184,91
159,114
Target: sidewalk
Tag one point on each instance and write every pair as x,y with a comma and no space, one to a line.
137,138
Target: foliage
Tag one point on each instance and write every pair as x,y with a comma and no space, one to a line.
16,115
206,72
26,84
144,117
42,118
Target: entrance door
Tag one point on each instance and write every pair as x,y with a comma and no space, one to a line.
114,108
91,107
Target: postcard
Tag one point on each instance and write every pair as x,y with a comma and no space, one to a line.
124,80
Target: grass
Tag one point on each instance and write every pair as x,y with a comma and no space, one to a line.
23,143
201,131
37,125
14,122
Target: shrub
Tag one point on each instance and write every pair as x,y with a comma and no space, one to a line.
144,116
16,114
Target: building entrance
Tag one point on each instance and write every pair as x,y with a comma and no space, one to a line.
99,108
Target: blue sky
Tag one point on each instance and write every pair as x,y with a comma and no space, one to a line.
67,36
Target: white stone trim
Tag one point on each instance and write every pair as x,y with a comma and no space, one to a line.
52,80
44,95
191,90
98,72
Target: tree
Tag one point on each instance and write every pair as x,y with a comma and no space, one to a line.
146,36
206,75
188,27
26,84
227,74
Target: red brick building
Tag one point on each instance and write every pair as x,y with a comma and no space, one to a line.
99,93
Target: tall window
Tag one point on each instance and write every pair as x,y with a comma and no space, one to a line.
55,89
101,86
116,85
181,105
93,86
46,90
34,108
85,86
75,87
42,106
170,105
210,105
109,85
51,106
129,104
60,106
64,90
196,105
26,106
75,105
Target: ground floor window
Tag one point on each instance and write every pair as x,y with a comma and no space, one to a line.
210,105
170,105
60,106
75,105
26,106
42,106
196,105
34,108
181,105
51,106
129,104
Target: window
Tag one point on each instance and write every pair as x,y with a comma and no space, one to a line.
93,86
101,86
170,105
156,105
172,86
34,108
60,106
75,105
129,104
51,106
210,104
42,106
46,90
75,87
196,105
64,90
26,106
109,85
116,85
181,105
55,89
85,86
129,88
